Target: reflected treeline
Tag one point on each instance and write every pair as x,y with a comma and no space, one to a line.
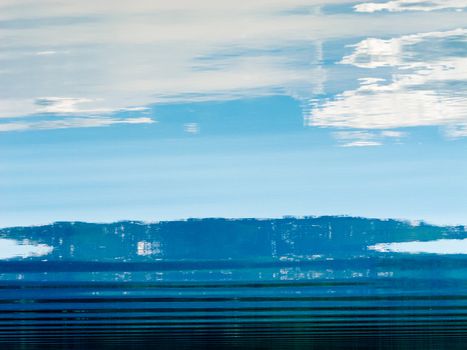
283,239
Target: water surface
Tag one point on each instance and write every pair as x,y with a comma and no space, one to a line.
319,282
155,110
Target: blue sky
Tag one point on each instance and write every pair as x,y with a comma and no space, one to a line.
164,111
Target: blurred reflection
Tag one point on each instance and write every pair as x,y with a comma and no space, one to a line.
413,80
10,248
228,242
79,65
440,246
410,5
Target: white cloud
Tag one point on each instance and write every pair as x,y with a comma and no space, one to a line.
456,131
365,138
362,144
410,5
376,53
66,123
65,105
394,134
46,53
440,246
129,53
422,91
191,128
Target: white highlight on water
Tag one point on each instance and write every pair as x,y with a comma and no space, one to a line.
440,246
10,248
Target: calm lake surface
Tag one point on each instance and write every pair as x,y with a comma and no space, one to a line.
293,282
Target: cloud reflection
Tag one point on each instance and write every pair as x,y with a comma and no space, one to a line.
410,5
94,59
10,248
136,54
66,123
422,88
440,246
99,57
